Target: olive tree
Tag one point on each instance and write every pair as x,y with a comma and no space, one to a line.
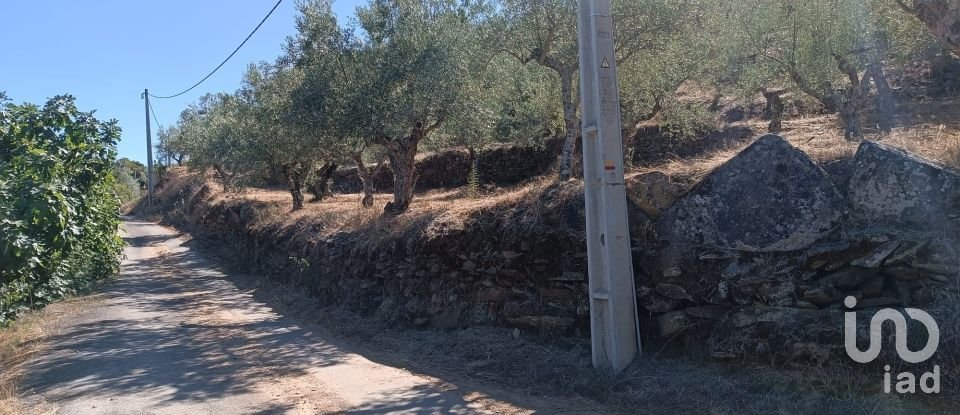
327,100
168,145
544,32
414,65
692,48
827,49
214,135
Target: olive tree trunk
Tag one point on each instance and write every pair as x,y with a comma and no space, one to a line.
847,105
365,179
226,179
886,106
293,172
402,161
571,124
775,109
321,187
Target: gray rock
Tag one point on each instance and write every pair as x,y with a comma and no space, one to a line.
907,253
903,272
673,291
708,312
769,198
822,295
653,192
903,291
655,303
848,278
778,293
835,265
893,187
783,316
734,269
817,264
876,257
672,272
720,294
827,247
811,351
940,278
672,323
769,332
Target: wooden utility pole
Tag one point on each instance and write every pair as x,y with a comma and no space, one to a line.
613,299
146,108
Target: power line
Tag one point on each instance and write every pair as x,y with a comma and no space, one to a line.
155,120
228,57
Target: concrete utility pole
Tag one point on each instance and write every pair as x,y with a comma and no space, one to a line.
613,299
146,108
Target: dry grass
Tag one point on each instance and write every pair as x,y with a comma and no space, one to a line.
939,143
25,338
930,130
437,209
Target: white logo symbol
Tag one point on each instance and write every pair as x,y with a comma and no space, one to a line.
900,329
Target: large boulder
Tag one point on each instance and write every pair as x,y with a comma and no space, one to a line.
891,187
769,198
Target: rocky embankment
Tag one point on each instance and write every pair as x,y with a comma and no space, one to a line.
759,256
756,258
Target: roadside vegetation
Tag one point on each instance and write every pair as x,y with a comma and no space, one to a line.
59,203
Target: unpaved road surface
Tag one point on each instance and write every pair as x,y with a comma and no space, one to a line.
174,336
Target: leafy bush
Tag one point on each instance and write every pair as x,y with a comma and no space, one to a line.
683,120
58,206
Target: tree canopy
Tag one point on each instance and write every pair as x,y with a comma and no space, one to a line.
404,75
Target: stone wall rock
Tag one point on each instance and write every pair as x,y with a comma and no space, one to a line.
499,165
768,198
891,187
653,192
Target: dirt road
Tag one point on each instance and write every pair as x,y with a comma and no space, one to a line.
174,336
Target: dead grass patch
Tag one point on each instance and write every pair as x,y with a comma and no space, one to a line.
25,338
930,130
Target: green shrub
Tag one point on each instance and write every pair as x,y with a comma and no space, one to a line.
684,120
58,206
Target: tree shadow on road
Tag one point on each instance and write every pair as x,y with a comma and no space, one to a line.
164,332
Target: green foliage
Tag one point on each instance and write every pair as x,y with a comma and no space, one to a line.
58,209
218,132
170,148
131,179
797,43
684,120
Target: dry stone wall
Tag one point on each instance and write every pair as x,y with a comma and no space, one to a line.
500,165
753,262
759,257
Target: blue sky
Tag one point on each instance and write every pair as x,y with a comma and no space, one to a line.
105,52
